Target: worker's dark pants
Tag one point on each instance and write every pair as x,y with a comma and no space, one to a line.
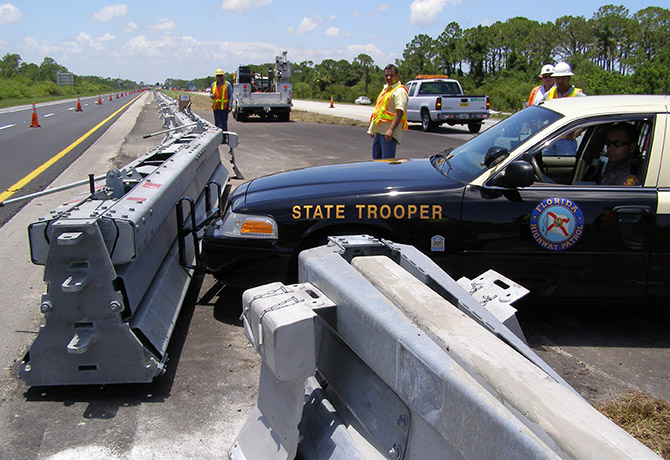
221,121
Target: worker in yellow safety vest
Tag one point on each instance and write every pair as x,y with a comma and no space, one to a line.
389,117
563,88
547,82
222,98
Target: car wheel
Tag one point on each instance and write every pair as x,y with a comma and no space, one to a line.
426,123
475,126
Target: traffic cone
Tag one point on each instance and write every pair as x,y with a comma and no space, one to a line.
99,101
117,95
34,123
78,105
331,102
110,98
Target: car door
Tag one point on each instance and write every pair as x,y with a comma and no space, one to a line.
412,104
575,239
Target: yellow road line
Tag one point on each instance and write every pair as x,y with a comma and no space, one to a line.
46,165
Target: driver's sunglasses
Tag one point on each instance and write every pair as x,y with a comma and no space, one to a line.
616,143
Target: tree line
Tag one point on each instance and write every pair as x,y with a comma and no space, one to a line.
614,52
22,81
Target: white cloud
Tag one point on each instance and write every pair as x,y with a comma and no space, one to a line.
239,6
164,25
110,12
332,17
306,25
130,27
384,7
9,13
425,12
332,32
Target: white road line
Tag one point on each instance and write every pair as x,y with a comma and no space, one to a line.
71,108
7,126
48,115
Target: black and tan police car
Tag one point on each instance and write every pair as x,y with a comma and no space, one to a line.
535,197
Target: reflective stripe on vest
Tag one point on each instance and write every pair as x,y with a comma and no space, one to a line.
381,113
220,102
552,94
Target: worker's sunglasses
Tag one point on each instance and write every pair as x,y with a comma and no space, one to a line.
546,76
616,143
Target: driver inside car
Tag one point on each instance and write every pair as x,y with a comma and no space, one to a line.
623,156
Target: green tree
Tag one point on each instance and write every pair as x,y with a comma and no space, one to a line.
49,68
419,56
9,65
449,48
365,62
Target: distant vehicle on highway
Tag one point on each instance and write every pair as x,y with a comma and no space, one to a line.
362,100
505,200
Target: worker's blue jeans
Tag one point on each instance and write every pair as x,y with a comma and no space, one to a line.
381,148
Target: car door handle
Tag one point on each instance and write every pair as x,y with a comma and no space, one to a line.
631,214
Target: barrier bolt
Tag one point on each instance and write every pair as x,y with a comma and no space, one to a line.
46,307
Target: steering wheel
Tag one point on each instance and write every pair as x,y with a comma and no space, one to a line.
536,168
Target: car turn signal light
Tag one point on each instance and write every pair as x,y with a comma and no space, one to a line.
256,227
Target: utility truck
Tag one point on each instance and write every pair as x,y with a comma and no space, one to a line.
265,96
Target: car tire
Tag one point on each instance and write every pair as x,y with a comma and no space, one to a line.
475,126
426,123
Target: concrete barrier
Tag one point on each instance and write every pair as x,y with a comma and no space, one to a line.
400,371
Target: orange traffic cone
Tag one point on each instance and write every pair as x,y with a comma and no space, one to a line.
34,123
99,101
78,105
117,95
331,102
110,98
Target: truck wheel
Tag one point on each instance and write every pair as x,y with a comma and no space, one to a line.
475,126
285,116
426,123
241,116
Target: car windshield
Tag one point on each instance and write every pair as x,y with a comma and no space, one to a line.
467,161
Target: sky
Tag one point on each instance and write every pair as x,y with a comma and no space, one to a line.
152,40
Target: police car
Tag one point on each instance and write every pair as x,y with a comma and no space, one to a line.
524,198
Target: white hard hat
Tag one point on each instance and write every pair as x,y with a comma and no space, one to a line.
547,69
562,69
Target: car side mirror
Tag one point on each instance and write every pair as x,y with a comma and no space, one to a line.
519,173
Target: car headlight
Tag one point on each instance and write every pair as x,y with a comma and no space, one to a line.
248,226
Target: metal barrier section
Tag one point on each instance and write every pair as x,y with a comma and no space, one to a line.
114,282
404,366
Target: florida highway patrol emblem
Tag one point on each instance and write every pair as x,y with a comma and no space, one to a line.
556,224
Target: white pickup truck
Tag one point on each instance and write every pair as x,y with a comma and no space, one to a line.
437,99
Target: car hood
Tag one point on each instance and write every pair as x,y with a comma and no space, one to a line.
349,179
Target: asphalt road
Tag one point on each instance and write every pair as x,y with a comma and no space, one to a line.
24,149
196,409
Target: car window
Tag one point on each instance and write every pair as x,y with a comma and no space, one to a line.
579,155
468,161
439,87
412,87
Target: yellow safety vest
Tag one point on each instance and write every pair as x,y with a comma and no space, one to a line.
552,93
220,100
381,113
